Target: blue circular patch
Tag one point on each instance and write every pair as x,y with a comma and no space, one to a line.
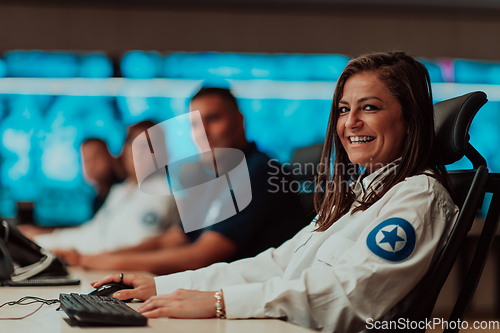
393,239
150,219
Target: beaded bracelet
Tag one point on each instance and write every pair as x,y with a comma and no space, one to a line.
220,311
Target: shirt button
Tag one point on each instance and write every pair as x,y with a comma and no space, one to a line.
332,255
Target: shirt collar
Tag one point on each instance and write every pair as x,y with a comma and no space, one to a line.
372,182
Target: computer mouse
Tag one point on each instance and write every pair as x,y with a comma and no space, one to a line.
110,288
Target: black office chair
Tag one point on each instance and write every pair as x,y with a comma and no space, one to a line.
452,120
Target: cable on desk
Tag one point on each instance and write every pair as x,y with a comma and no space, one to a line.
26,300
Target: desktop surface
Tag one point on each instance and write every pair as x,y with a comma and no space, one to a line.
48,320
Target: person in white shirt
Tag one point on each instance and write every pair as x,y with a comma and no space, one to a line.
127,217
384,213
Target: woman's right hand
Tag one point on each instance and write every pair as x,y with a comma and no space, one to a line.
144,287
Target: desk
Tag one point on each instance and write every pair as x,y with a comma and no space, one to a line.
48,320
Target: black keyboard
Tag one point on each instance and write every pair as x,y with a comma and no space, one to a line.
93,309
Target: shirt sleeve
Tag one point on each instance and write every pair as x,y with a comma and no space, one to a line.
268,264
76,238
340,294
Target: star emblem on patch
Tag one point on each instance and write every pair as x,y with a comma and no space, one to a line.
391,238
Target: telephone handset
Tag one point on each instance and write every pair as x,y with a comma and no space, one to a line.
21,259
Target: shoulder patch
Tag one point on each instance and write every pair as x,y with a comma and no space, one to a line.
393,239
150,219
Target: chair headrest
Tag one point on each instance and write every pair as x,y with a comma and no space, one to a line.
306,160
452,119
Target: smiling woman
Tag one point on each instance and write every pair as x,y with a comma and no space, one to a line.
377,231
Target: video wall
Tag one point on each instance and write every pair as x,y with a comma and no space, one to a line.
50,102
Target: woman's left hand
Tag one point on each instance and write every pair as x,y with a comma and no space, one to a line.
181,304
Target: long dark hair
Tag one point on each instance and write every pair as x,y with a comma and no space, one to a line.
409,82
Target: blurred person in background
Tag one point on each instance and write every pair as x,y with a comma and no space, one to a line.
271,217
127,217
100,169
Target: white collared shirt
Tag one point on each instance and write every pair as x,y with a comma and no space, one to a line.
335,280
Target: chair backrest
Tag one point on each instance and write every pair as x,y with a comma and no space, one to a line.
306,160
452,121
304,169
